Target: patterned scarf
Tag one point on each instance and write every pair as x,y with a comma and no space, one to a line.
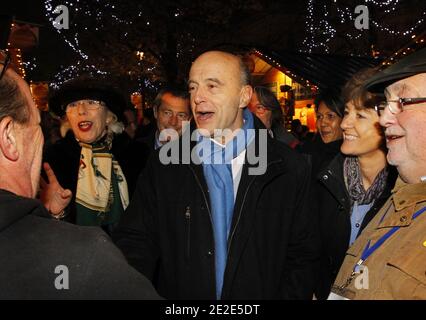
98,178
353,181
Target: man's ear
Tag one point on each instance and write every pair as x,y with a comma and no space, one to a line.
245,96
8,145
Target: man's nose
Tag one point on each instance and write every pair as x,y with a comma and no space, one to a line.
387,118
198,95
174,120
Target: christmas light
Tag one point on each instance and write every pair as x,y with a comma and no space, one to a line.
320,32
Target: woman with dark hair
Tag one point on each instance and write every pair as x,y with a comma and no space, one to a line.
265,106
356,183
326,143
329,113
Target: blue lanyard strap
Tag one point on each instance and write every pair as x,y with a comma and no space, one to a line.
369,251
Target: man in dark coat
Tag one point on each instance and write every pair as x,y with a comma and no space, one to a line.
170,108
174,230
42,258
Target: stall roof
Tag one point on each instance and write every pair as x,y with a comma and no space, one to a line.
322,70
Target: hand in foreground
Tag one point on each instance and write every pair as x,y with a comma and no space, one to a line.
54,197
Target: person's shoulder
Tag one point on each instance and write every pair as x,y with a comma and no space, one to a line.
96,267
63,147
290,157
66,235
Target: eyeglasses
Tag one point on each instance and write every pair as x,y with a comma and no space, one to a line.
90,105
397,106
5,61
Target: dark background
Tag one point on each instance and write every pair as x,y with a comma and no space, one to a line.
172,33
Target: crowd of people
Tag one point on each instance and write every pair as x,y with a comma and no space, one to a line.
245,209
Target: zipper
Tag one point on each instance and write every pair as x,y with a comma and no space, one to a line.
188,230
204,196
241,210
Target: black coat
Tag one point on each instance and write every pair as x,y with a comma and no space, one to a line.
320,153
167,230
64,158
32,245
334,209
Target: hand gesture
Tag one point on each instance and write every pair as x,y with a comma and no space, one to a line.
54,197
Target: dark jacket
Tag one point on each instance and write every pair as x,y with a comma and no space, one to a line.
64,158
32,246
167,230
334,209
321,154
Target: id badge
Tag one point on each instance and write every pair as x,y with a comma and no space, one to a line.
339,293
334,296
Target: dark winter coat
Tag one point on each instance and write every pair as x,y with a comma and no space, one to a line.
166,233
321,154
32,246
334,209
64,158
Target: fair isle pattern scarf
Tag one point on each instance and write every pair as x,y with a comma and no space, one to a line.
354,185
221,188
94,178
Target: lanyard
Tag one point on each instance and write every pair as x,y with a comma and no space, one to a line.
368,251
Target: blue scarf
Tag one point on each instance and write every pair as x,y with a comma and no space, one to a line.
217,169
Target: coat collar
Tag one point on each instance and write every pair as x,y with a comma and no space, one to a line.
14,208
405,200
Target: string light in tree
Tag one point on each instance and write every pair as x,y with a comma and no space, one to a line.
30,65
318,27
72,72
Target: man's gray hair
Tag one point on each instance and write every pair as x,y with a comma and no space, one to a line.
245,73
12,102
174,91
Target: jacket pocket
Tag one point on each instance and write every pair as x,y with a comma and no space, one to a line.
410,260
187,232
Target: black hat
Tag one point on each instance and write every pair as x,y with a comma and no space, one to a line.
409,66
79,89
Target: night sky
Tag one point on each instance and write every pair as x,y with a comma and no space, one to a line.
52,51
262,29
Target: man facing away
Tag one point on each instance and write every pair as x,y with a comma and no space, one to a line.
221,225
388,261
42,258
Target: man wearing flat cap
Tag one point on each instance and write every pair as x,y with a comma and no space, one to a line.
388,261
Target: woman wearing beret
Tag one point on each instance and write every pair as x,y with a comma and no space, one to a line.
91,158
